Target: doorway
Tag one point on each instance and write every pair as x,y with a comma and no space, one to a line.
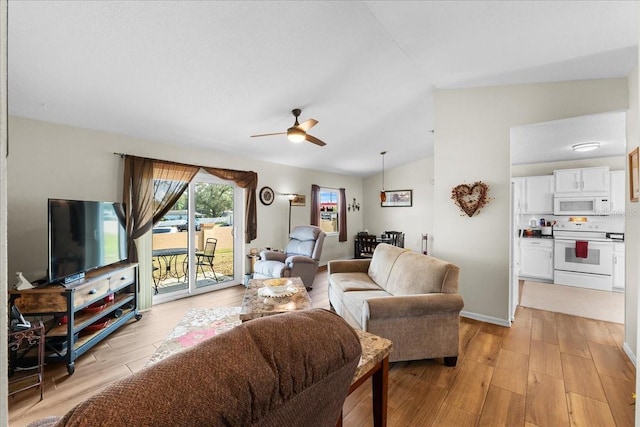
196,245
539,149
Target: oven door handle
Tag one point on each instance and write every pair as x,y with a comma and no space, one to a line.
573,239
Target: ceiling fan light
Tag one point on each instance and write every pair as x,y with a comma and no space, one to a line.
296,135
585,146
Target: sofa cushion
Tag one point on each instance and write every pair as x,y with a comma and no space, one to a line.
303,241
353,303
297,247
384,257
415,273
270,269
347,282
295,369
303,233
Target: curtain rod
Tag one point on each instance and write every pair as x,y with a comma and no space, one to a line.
122,155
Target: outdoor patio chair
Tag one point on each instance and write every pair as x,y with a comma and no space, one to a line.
155,278
203,259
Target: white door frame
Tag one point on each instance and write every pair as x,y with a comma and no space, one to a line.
237,230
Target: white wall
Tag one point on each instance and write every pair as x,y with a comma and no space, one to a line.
50,160
413,221
3,214
472,144
632,228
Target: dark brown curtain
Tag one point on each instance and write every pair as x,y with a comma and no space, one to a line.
170,180
249,181
315,205
151,188
342,216
146,204
137,196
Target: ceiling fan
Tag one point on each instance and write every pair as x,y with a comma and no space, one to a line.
298,132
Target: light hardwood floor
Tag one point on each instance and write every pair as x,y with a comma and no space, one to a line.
548,369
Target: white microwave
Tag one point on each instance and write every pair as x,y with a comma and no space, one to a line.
596,205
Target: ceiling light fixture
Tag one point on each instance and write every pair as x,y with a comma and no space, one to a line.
296,134
586,146
383,194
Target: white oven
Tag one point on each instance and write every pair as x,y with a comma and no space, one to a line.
597,205
584,259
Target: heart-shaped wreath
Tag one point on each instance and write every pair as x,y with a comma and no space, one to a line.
470,198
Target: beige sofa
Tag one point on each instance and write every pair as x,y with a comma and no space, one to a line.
409,298
292,369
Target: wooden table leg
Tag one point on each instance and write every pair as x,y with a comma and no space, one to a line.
380,387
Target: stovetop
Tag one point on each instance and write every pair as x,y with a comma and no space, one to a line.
584,224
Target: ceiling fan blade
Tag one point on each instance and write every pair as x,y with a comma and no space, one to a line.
307,124
315,140
269,134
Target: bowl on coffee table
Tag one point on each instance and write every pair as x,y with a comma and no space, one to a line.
277,286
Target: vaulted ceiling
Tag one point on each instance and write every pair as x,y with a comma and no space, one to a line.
210,74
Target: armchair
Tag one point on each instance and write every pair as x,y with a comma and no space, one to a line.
300,258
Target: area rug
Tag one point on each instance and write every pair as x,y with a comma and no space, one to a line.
589,303
197,325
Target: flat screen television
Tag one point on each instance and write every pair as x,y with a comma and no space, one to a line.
84,235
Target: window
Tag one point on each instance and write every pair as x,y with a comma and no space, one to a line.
329,210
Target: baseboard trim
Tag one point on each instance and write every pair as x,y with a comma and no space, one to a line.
486,319
630,354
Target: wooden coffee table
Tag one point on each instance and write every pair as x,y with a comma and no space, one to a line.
255,305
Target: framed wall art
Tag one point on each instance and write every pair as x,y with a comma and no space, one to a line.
634,177
398,198
299,200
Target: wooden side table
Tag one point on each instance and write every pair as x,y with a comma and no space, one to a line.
374,364
26,359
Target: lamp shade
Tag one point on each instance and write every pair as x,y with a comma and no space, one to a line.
295,134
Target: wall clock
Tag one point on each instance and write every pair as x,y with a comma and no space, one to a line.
266,195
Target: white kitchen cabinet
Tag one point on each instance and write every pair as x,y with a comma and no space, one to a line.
618,266
617,188
536,258
567,180
538,194
533,194
582,181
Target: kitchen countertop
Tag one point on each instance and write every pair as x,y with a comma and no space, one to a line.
536,235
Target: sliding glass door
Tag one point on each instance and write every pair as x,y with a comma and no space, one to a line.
196,245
